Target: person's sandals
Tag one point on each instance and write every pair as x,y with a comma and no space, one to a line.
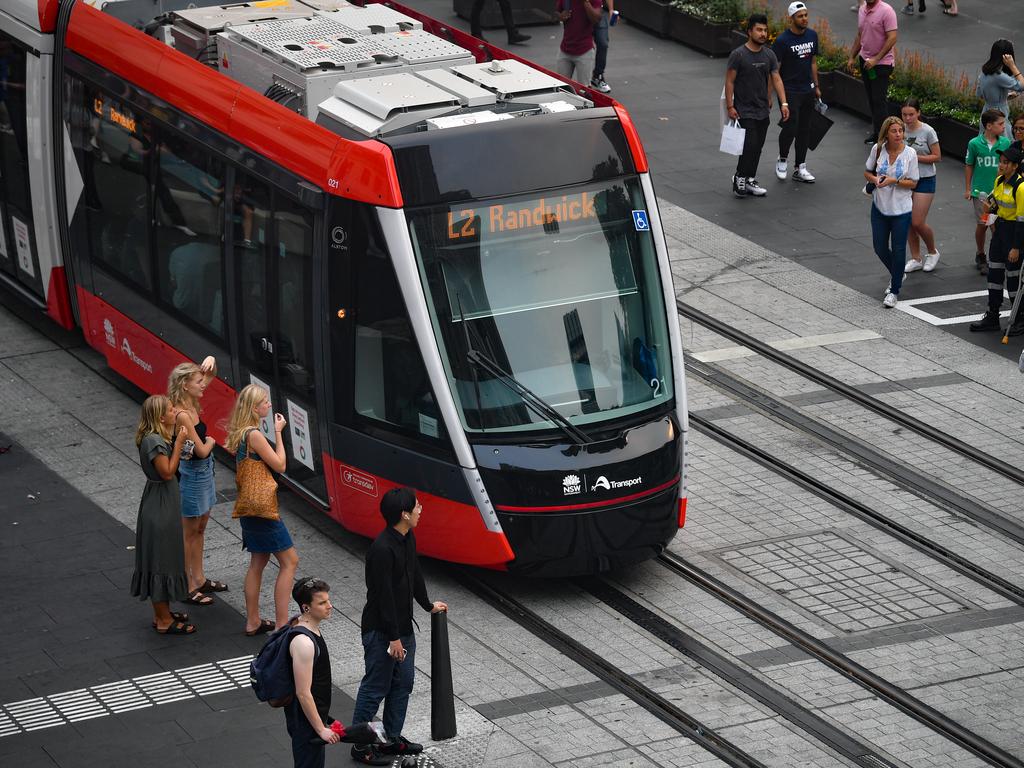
175,616
949,12
266,625
177,628
213,586
198,598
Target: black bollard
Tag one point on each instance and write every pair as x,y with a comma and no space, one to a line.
442,697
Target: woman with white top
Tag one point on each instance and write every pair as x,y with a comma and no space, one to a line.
892,168
999,81
923,139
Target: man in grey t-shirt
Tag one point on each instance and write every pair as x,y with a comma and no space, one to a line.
746,98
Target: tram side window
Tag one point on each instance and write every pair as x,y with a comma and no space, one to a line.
391,383
117,155
189,191
250,220
294,228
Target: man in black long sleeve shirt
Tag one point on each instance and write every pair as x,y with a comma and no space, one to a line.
393,580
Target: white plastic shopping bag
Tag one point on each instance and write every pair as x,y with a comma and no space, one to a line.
732,138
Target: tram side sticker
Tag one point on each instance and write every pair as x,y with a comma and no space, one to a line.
298,423
641,222
360,481
266,423
23,244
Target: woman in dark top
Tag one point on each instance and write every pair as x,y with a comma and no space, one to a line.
159,556
260,536
185,388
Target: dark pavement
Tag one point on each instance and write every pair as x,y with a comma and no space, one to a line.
71,627
672,93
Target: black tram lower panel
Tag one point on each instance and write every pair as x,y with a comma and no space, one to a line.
549,544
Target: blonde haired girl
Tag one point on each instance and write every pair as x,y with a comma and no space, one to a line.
159,557
892,168
260,536
185,388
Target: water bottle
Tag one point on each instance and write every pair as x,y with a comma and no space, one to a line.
614,19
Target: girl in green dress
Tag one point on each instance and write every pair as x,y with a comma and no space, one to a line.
159,551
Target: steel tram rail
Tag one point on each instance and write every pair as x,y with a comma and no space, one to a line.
898,697
651,701
837,740
829,382
918,483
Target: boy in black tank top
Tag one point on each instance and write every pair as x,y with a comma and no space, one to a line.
306,715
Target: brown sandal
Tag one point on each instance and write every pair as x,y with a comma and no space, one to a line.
177,628
266,625
209,586
198,598
175,616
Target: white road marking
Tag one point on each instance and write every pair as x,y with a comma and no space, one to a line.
799,342
910,306
123,696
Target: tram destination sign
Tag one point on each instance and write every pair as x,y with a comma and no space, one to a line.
509,217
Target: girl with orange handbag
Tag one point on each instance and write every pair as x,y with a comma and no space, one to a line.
263,531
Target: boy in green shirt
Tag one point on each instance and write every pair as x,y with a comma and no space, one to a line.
980,170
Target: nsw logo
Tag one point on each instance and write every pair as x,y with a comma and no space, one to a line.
571,485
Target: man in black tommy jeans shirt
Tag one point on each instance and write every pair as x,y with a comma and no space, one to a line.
393,580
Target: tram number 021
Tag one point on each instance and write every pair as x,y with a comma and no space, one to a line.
657,385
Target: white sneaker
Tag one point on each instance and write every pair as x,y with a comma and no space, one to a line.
780,169
888,290
755,189
889,301
802,174
600,84
930,260
912,265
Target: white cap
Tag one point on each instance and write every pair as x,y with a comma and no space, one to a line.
796,8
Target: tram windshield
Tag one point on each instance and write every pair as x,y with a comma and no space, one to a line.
561,292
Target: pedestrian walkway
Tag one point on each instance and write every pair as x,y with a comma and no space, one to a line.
672,93
85,680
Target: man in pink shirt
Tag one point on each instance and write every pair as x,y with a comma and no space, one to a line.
576,53
873,49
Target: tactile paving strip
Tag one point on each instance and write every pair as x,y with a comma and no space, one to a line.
841,582
123,696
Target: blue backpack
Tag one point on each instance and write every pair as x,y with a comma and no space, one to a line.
270,672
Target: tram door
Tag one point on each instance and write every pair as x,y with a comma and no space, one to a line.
272,243
18,256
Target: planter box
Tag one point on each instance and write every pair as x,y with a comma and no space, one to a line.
524,12
953,136
714,39
847,92
649,14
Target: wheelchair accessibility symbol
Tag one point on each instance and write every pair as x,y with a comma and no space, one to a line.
640,221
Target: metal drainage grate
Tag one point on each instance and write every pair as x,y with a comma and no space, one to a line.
841,582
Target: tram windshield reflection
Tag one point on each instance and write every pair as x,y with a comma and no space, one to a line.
561,291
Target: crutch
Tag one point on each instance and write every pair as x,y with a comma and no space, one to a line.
1013,313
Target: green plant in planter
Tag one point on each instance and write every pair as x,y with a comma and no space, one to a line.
714,11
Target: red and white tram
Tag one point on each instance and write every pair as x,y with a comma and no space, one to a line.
446,264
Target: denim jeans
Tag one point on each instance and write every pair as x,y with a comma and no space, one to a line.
889,237
601,45
385,680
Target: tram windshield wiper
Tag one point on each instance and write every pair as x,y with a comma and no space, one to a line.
532,400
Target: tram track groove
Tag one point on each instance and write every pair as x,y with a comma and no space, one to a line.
949,558
843,664
648,699
851,393
735,675
882,464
